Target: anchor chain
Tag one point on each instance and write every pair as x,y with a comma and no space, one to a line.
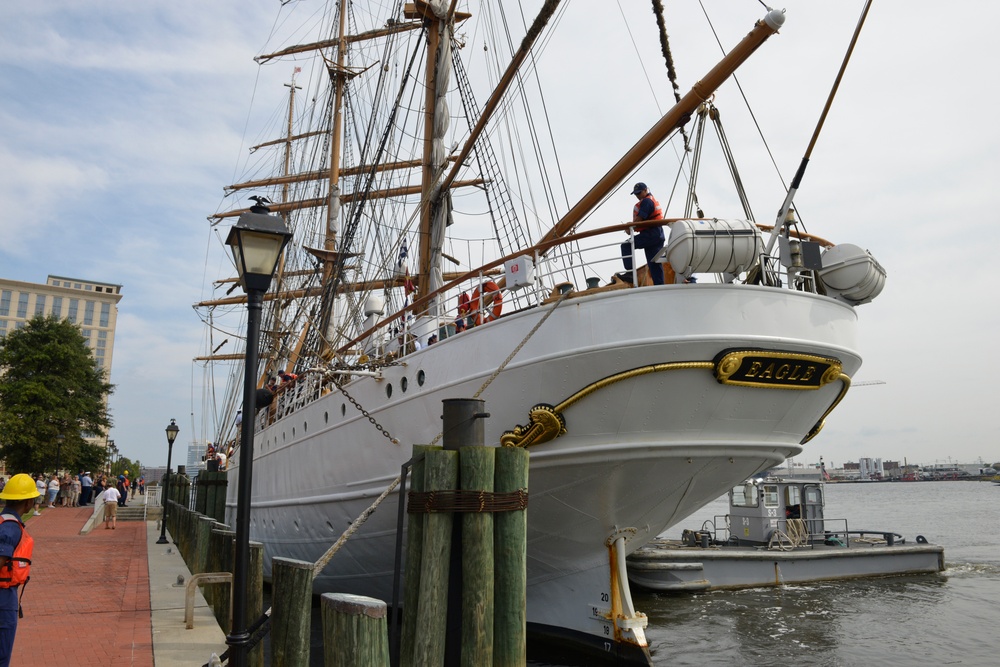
367,414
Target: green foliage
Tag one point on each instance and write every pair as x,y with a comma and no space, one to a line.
124,463
49,386
89,457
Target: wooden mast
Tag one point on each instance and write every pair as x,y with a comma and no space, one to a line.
428,172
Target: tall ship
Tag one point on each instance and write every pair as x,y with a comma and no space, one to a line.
439,251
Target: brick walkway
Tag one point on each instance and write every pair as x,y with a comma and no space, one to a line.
88,599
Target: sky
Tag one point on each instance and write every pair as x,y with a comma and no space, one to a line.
120,122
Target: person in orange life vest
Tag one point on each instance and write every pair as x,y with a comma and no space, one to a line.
650,239
15,557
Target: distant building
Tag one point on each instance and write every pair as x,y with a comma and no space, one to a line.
870,469
196,456
89,304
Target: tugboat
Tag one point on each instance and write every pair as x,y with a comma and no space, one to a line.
774,534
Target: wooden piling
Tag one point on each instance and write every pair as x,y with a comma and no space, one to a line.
203,534
440,473
354,631
291,609
414,547
477,474
510,551
201,493
221,560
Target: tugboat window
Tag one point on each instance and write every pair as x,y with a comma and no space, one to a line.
745,495
770,496
814,496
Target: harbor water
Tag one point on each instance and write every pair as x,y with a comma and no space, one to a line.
941,620
947,619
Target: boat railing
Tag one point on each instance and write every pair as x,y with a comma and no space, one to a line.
567,267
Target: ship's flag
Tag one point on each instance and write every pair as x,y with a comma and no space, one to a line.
296,70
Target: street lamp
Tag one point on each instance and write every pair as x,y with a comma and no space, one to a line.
257,240
172,431
59,441
112,450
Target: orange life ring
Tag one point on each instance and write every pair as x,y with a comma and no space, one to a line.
492,303
464,304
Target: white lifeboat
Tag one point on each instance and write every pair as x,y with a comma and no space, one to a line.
851,274
712,246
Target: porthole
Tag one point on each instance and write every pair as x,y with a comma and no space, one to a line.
326,417
420,378
403,384
305,427
343,409
296,524
293,431
388,390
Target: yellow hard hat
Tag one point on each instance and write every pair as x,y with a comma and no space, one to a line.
20,487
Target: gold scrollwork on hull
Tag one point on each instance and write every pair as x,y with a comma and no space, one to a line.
745,368
543,419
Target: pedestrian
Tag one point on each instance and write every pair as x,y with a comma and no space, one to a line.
53,491
122,487
40,487
142,486
15,557
74,492
650,238
86,487
110,499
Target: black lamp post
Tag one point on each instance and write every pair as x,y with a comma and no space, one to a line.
59,441
172,431
257,240
112,450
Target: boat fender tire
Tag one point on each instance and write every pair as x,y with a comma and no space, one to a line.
921,539
492,302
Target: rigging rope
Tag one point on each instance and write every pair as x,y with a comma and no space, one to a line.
357,523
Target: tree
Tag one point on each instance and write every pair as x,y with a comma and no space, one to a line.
49,386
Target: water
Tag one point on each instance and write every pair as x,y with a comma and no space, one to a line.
949,619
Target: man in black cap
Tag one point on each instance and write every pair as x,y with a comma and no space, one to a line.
650,238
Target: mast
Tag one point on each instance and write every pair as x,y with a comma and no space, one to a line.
433,14
677,116
275,314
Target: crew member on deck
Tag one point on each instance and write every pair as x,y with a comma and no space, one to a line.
650,239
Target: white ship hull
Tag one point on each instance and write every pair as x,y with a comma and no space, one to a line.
639,454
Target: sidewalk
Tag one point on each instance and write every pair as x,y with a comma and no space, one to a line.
108,597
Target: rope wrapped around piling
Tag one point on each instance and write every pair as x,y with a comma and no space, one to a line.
461,500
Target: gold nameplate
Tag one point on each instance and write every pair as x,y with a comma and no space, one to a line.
777,370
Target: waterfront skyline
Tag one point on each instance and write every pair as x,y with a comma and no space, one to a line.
123,121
